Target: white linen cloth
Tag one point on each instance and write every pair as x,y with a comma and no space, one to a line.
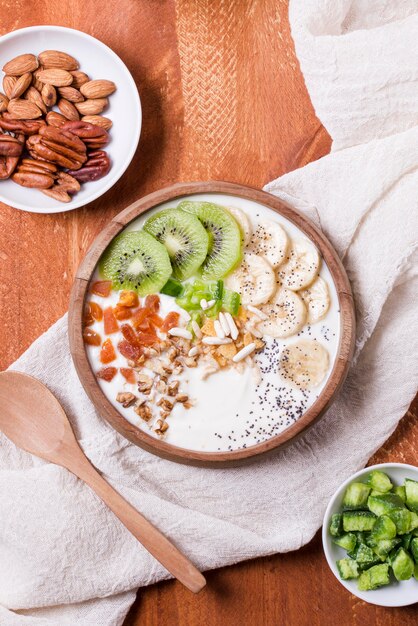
65,559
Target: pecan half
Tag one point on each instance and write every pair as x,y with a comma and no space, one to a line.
8,163
57,193
96,166
27,127
10,146
93,136
57,146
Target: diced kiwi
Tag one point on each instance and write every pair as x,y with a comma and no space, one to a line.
411,490
184,237
355,496
336,524
383,504
224,250
384,528
400,491
374,577
347,569
136,260
402,565
379,481
347,541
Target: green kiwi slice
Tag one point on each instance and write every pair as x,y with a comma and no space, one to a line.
184,237
135,260
224,250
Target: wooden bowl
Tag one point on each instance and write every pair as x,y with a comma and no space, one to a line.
160,447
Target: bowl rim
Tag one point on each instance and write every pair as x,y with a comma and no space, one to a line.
136,129
326,539
160,447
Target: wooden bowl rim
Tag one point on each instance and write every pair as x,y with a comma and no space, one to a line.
160,447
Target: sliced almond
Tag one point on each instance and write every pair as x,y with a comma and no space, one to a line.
34,96
57,59
71,94
98,120
21,85
8,84
98,88
24,110
4,101
79,78
21,64
68,110
49,95
92,107
56,77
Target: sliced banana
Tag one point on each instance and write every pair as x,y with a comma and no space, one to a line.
286,314
304,363
254,279
270,241
243,222
317,300
302,265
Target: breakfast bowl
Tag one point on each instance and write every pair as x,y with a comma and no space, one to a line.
99,62
375,493
210,324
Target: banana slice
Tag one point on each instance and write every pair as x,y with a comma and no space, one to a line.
254,280
270,241
316,299
243,222
286,314
302,265
304,363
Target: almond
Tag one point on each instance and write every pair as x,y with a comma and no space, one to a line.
34,96
98,120
68,110
55,119
92,107
98,88
21,64
21,85
23,110
71,94
8,84
49,95
36,83
79,78
56,77
57,59
4,101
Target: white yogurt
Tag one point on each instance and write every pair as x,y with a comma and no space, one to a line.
231,410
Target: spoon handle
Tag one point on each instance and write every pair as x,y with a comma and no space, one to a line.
150,537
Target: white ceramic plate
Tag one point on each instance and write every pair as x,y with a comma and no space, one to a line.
397,593
98,61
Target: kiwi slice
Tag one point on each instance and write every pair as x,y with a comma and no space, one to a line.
224,250
184,237
135,260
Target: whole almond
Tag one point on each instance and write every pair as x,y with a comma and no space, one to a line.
79,78
21,85
49,95
8,84
98,120
55,119
92,107
71,94
21,64
36,83
56,77
4,101
34,96
68,110
58,59
24,110
98,88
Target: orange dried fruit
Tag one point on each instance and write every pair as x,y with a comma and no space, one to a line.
129,334
122,312
91,338
110,323
170,321
128,374
92,312
129,351
107,353
107,373
128,298
102,288
153,303
147,339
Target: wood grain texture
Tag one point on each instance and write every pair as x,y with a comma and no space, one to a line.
270,129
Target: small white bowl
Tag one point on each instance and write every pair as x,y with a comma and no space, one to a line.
397,593
98,61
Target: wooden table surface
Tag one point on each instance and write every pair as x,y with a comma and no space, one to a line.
223,98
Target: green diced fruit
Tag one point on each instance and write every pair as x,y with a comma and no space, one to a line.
379,481
416,572
348,541
336,525
172,288
402,520
364,554
384,546
358,520
347,569
355,496
384,528
414,521
214,309
231,301
400,491
402,565
414,548
384,504
411,492
375,577
406,541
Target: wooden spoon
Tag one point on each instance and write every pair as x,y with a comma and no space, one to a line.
34,420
